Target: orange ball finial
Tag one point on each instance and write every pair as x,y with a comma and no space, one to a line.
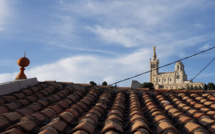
22,62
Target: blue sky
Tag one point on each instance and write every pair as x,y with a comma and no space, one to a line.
104,40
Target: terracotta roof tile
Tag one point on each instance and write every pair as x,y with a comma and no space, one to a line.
197,115
67,116
96,111
89,116
184,119
192,127
74,112
14,131
25,111
166,126
3,122
211,113
24,102
35,107
27,125
86,126
48,112
39,95
3,109
138,124
9,98
35,89
190,112
58,124
19,95
12,106
80,109
112,125
49,130
212,128
203,100
206,121
142,131
39,116
12,116
27,92
114,117
80,132
56,108
63,104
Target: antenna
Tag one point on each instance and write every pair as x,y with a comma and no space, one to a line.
25,53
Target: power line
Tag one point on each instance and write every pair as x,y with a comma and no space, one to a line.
200,71
162,66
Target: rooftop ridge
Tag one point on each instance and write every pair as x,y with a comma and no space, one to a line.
14,86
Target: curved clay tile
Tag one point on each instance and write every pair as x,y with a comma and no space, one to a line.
141,131
192,127
112,125
80,132
57,124
67,116
86,126
165,126
139,124
15,131
12,116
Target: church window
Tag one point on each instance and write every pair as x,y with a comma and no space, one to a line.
164,80
177,76
170,79
153,65
159,80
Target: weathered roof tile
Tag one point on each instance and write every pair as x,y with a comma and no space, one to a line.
79,109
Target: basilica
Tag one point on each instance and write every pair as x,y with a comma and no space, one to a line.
170,80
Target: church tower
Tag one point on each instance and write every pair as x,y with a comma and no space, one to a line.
180,73
154,64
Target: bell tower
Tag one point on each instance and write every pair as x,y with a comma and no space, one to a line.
154,64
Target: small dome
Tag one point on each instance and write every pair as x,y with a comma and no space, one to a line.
179,63
179,66
23,62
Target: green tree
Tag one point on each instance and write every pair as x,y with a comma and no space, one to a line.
211,86
147,85
104,83
93,83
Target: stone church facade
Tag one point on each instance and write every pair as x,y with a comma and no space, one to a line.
170,80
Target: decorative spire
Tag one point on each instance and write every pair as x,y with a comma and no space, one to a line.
154,54
22,62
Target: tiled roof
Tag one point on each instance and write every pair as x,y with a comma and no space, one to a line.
83,109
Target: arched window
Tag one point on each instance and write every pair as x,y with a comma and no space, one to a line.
170,79
177,76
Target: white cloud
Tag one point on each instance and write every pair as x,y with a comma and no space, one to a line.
64,28
8,77
4,13
83,69
127,37
207,46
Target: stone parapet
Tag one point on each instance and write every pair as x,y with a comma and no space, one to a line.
13,86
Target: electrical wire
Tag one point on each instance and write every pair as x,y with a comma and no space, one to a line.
162,66
200,72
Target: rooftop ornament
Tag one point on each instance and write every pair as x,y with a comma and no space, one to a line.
22,62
